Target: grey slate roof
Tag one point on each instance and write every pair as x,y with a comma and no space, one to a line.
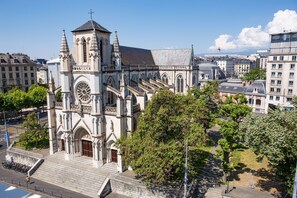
207,67
259,85
231,88
178,57
136,56
88,26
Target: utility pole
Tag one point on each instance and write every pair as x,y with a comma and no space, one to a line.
295,183
186,171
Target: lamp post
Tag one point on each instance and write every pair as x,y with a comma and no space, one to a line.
6,135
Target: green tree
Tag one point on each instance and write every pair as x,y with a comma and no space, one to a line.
254,74
275,136
37,95
156,150
16,99
36,135
233,110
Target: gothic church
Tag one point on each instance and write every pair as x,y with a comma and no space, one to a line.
104,89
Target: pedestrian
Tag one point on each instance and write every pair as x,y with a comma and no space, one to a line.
28,179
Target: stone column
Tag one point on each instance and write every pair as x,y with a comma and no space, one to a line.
120,164
68,145
97,152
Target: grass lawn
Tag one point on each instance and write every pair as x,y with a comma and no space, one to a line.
249,172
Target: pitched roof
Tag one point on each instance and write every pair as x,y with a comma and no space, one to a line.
231,88
136,56
88,26
259,85
180,57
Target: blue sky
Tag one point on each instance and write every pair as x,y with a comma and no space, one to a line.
34,27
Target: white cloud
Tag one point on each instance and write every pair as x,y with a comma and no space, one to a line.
257,37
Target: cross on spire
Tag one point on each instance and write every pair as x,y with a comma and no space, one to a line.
91,14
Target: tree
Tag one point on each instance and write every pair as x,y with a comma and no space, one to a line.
254,74
37,95
16,99
233,110
275,136
156,150
36,135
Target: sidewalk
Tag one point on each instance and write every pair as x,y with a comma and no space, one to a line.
19,180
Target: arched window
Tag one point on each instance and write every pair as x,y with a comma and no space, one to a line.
84,44
251,101
110,95
180,84
101,50
165,78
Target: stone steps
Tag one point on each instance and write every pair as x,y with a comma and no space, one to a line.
77,175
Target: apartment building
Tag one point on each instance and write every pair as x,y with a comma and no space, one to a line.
226,65
281,68
241,67
16,70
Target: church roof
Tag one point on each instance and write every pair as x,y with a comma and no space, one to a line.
88,26
180,57
136,56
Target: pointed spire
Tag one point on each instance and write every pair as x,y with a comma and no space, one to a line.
116,45
94,44
64,44
51,82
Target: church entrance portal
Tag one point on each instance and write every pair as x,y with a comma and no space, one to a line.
87,148
114,155
63,145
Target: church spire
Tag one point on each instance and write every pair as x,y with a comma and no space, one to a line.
64,44
51,82
94,44
116,45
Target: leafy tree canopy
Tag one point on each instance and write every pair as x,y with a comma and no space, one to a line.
37,95
17,99
156,150
274,135
254,74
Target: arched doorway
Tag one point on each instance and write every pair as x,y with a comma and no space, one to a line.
83,143
112,152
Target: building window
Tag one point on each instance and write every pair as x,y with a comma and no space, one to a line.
280,66
17,75
279,74
290,91
25,68
291,83
32,75
272,82
32,82
275,58
26,82
84,43
278,90
258,102
251,101
180,84
10,75
293,58
9,68
272,74
292,66
16,68
270,97
291,74
3,76
277,98
281,58
3,68
31,68
273,66
271,89
279,82
165,78
289,99
25,75
194,80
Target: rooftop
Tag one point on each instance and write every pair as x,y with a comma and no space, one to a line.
89,26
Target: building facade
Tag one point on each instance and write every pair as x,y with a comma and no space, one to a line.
227,66
16,70
281,68
241,67
104,89
53,67
210,72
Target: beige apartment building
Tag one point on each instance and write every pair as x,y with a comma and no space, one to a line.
281,69
16,70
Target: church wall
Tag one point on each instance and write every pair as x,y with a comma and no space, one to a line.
113,125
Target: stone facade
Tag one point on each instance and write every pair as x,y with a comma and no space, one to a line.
104,89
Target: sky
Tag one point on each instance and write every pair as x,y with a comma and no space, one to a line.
34,27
